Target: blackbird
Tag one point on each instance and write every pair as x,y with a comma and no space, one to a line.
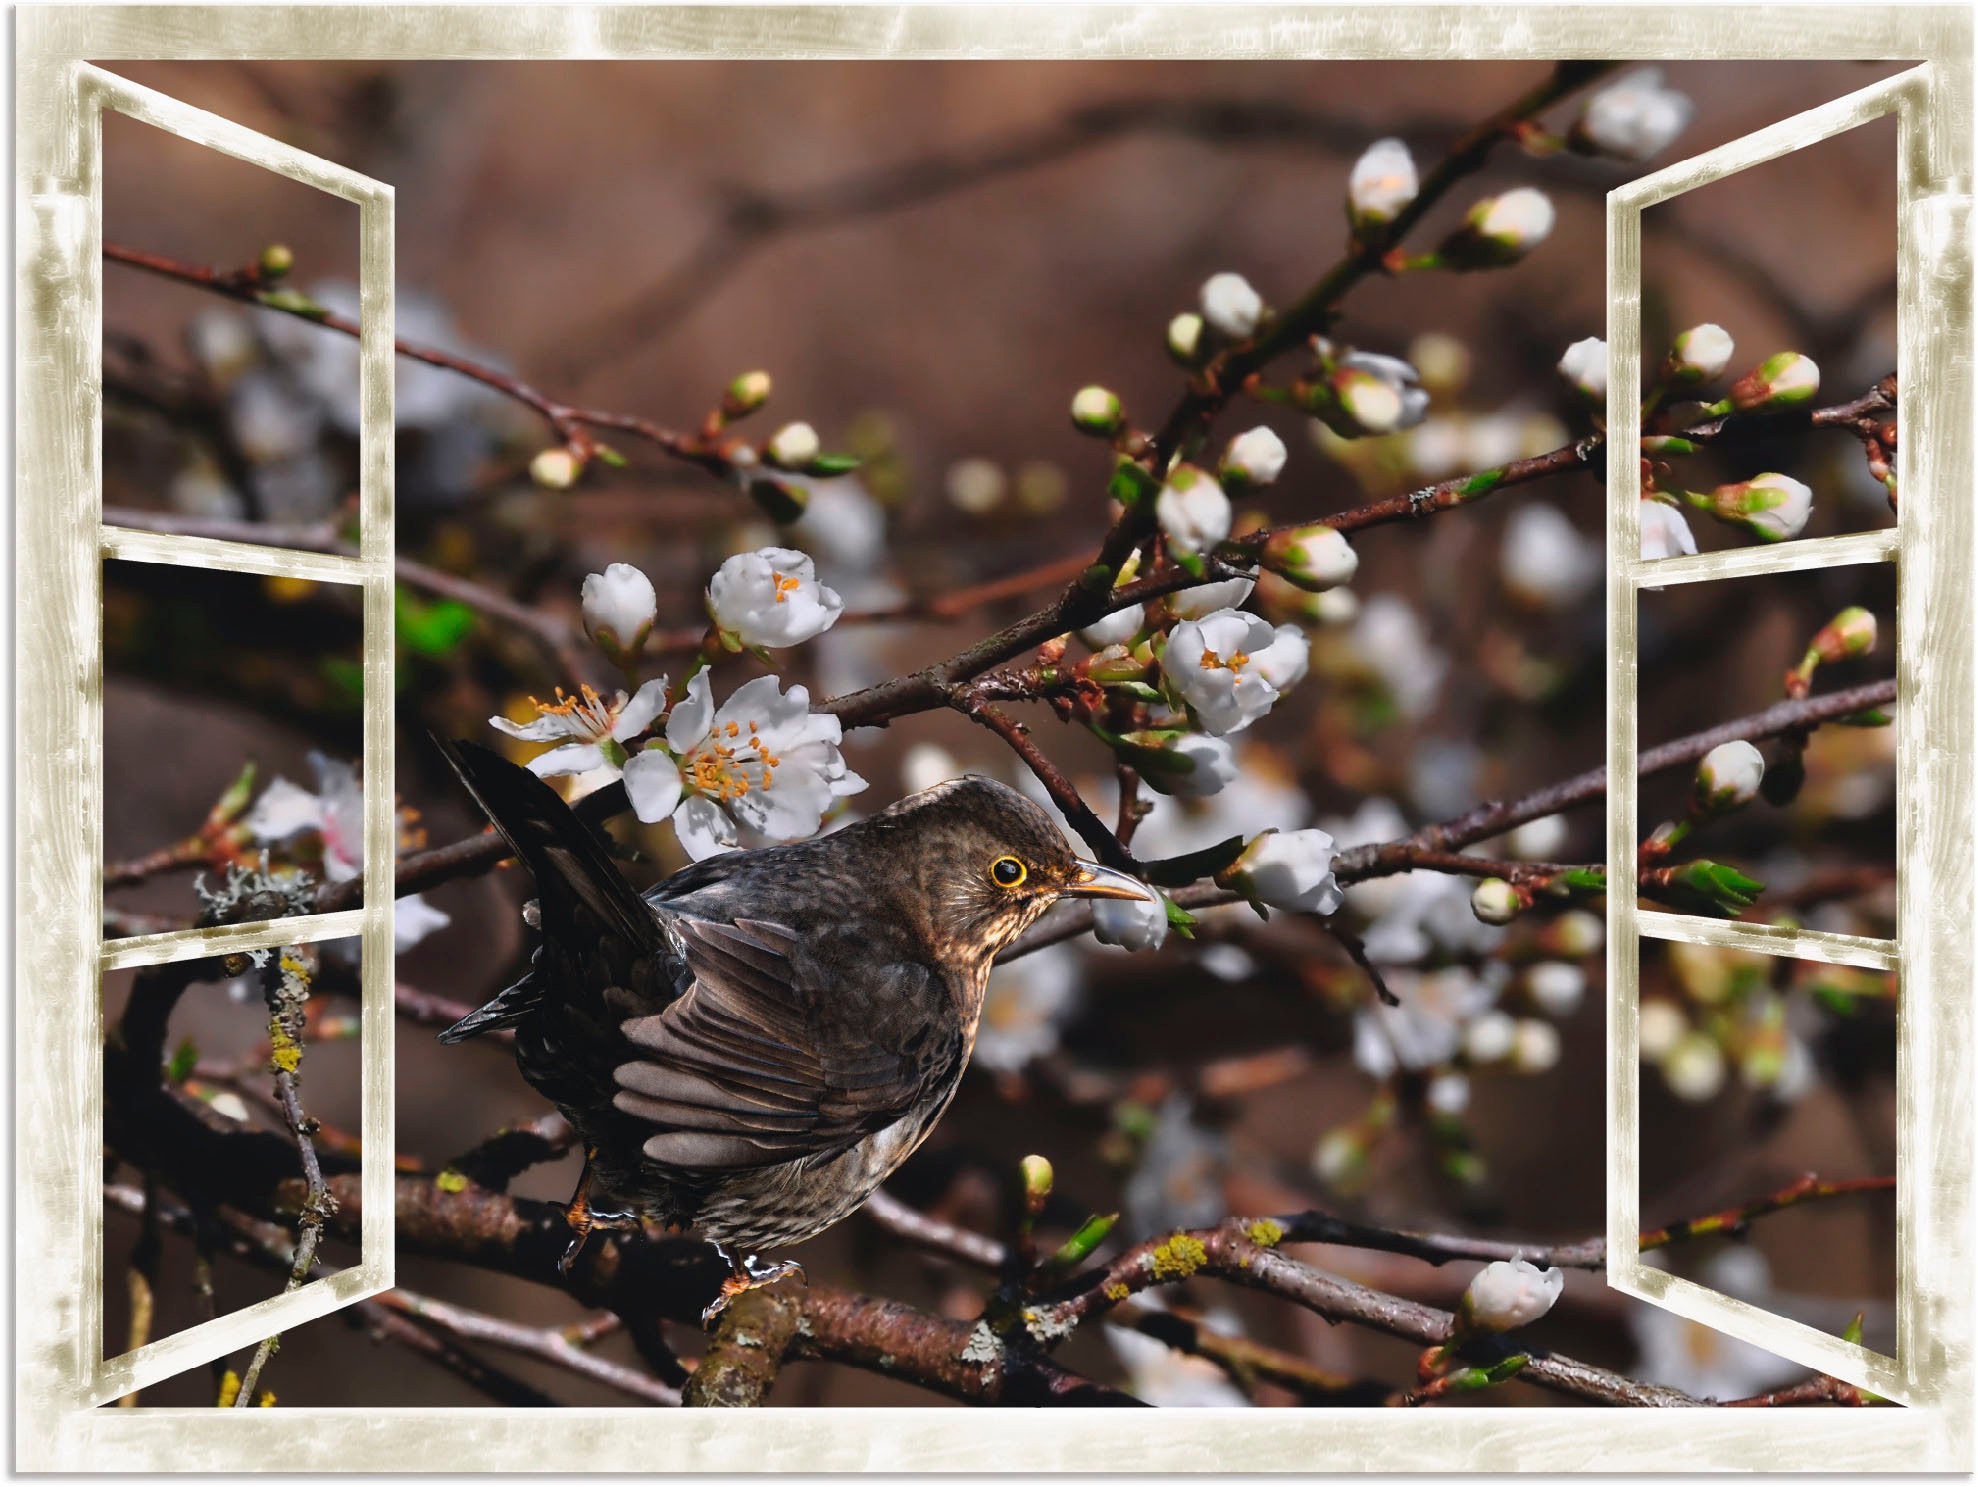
750,1048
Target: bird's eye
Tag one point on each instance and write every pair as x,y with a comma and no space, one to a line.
1008,872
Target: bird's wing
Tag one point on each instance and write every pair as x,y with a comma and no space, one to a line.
764,1060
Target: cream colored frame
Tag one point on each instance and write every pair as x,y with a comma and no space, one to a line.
57,1062
61,954
1930,545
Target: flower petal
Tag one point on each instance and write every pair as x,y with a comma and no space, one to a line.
704,829
647,703
652,780
692,715
571,758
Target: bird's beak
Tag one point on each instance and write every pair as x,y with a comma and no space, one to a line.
1093,881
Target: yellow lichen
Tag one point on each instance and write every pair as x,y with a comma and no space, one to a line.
451,1181
1266,1232
288,1059
1118,1291
1179,1258
229,1390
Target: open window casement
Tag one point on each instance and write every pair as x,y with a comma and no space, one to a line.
63,546
1931,547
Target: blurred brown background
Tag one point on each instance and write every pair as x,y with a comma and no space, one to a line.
929,258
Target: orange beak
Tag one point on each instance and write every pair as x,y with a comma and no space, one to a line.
1094,881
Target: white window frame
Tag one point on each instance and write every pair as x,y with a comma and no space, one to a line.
58,968
1934,849
60,783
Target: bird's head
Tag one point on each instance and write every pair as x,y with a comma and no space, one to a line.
987,862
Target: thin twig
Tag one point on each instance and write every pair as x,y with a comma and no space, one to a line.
547,1344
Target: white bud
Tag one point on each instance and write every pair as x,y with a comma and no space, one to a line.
1728,777
793,447
1584,366
1254,458
1556,986
1490,1037
1701,353
1192,510
619,608
1508,1294
1777,382
1633,118
1661,1028
1289,870
1131,923
1203,765
1664,533
1545,560
1339,1157
556,469
1772,507
1499,230
1372,394
229,1104
1382,184
1231,306
1116,628
1315,557
1694,1068
1538,841
1495,901
1185,337
1578,933
1536,1048
1095,410
1449,1093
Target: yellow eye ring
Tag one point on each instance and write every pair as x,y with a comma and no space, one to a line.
1007,872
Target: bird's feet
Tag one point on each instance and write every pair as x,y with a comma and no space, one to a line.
747,1275
583,1219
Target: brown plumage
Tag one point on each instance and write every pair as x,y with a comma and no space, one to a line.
750,1048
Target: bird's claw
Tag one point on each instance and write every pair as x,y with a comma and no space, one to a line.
748,1276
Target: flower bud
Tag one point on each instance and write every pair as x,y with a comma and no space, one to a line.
1340,1158
1536,1047
1449,1093
1575,934
1290,870
1772,507
1633,118
1192,510
1131,923
1508,1294
1094,410
1777,382
1207,598
1495,901
793,447
1661,1027
1382,184
619,608
1700,354
1116,628
745,394
556,469
1231,306
1366,393
1185,337
1191,766
1490,1037
1556,987
1499,230
1253,459
276,260
1584,366
1037,1179
1315,558
1694,1068
1728,778
1849,633
1664,533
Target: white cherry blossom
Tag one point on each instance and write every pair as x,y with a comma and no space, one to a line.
619,608
1231,668
1192,510
771,598
1289,870
597,727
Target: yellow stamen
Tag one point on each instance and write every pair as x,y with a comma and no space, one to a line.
785,586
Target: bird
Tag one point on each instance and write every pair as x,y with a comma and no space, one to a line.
748,1049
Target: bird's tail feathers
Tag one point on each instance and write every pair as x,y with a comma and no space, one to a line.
582,892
